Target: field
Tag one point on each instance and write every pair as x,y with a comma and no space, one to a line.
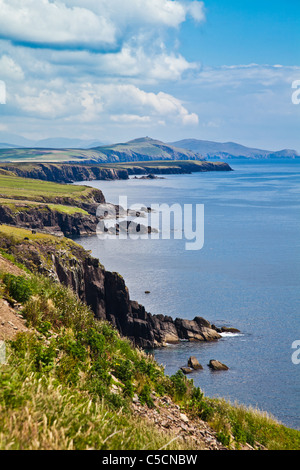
50,155
23,188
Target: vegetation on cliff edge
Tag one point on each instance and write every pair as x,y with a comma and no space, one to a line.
69,381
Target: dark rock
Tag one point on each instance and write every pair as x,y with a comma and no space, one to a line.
217,365
106,293
224,329
186,370
194,363
193,330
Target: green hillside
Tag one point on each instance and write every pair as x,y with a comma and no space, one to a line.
70,382
144,149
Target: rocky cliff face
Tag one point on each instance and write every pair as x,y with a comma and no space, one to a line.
65,173
50,221
69,173
45,219
105,292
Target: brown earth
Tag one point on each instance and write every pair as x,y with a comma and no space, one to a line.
11,322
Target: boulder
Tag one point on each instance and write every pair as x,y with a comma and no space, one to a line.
217,365
224,329
186,370
194,363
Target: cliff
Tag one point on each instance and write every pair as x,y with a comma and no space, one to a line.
69,173
44,218
105,292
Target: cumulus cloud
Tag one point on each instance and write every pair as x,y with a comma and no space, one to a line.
101,102
95,61
118,100
54,24
91,24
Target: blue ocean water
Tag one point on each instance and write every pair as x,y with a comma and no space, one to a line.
247,275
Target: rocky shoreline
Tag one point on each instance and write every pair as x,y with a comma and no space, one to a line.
74,172
105,292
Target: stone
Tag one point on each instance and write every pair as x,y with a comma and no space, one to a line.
184,418
224,329
194,363
186,370
217,365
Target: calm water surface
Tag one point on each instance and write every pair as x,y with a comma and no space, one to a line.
247,276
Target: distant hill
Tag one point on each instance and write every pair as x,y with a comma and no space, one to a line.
143,149
8,140
63,142
146,149
4,145
230,150
138,150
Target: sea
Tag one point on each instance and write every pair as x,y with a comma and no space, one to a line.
245,275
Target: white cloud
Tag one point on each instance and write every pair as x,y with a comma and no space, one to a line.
91,24
47,104
196,10
53,23
9,69
95,62
130,119
235,76
100,102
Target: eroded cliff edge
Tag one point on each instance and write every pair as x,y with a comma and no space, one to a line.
71,172
105,292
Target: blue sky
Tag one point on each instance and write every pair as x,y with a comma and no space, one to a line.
245,31
170,69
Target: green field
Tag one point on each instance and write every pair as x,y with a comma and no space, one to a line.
50,155
17,188
23,194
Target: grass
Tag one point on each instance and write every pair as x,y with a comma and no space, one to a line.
69,381
241,424
55,390
49,155
14,187
21,206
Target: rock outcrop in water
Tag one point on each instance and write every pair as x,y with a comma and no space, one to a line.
105,292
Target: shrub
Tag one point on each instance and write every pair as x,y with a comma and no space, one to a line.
179,385
18,287
145,396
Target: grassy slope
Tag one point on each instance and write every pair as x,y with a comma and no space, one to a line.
21,194
55,156
14,187
69,382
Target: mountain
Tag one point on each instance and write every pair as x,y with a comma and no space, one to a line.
146,149
63,143
8,140
229,150
4,145
138,150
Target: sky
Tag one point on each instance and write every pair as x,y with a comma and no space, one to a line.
112,71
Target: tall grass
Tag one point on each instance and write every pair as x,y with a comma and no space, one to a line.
69,382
